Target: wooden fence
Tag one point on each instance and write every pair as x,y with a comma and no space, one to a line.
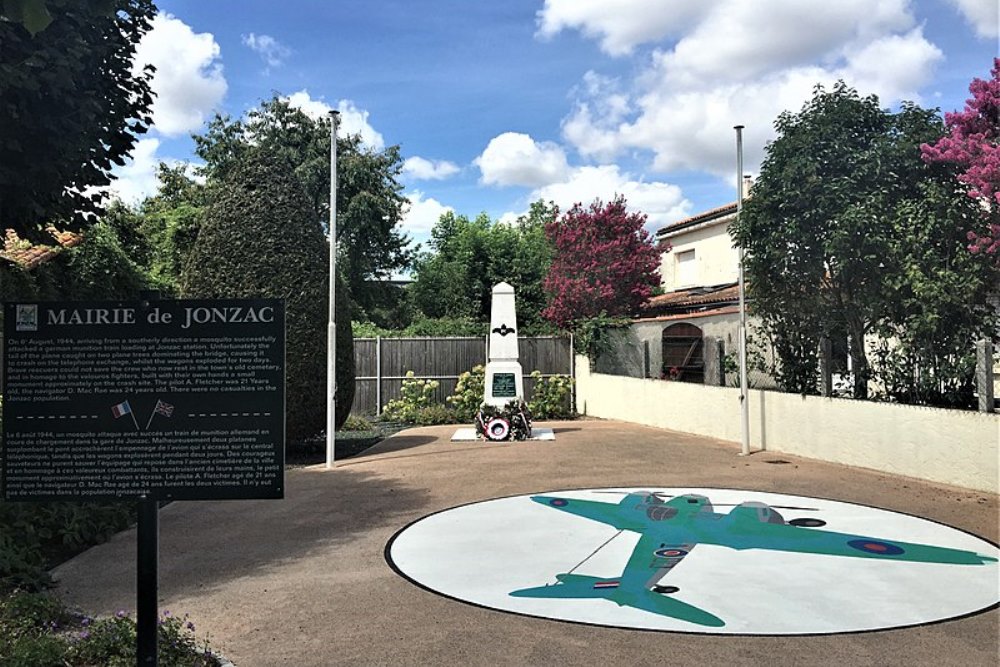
380,364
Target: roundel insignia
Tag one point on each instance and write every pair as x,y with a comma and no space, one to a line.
670,553
559,502
876,547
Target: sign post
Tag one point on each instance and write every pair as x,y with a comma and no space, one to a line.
150,401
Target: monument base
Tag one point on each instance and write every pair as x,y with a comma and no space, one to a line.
468,434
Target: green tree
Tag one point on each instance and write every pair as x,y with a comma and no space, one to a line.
847,230
73,107
259,239
469,257
370,205
168,223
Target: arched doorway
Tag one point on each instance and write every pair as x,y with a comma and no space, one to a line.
683,353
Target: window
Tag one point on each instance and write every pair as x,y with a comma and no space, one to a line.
683,353
685,270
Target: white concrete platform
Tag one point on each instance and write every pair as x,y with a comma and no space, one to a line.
469,433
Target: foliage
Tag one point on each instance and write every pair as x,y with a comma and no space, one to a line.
356,423
550,397
168,224
434,414
370,205
445,326
973,144
415,396
73,107
469,393
425,326
36,629
100,268
36,536
849,233
455,280
604,262
259,240
593,336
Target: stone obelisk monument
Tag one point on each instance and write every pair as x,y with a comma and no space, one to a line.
503,415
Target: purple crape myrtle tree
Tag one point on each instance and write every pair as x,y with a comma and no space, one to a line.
973,143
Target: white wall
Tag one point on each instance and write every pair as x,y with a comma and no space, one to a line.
716,261
946,446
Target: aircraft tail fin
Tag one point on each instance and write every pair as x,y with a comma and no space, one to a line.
575,586
571,586
666,605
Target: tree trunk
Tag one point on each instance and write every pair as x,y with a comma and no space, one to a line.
859,360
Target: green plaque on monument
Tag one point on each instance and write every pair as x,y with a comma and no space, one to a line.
504,385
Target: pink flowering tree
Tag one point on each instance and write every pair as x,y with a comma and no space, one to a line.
973,143
605,263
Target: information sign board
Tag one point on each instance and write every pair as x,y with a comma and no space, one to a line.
148,399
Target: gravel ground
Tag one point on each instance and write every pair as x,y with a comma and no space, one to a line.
346,445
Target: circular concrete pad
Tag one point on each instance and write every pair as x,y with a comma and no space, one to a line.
700,560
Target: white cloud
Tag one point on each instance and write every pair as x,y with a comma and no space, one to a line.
893,67
983,15
663,203
422,169
271,51
352,119
310,107
622,25
516,159
355,121
422,213
791,33
137,180
745,66
188,82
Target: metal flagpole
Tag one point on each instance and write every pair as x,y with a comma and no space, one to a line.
331,332
744,389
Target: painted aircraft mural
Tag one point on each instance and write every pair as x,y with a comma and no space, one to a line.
670,529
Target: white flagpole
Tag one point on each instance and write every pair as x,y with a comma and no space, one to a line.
744,389
331,332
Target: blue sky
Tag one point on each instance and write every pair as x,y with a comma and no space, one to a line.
496,104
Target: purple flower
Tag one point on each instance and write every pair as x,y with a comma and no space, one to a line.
84,635
121,613
85,621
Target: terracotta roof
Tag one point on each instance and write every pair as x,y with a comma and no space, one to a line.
704,216
697,296
725,310
30,255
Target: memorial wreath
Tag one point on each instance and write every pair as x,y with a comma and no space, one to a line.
512,422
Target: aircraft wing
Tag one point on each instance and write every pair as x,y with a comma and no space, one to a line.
783,537
612,514
651,560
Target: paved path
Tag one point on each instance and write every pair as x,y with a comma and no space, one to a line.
303,581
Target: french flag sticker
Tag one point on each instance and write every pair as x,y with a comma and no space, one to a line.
121,409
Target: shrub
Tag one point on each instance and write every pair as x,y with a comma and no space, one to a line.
469,393
550,398
260,238
36,536
36,629
415,396
434,414
356,423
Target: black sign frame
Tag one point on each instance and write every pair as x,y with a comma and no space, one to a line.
149,400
